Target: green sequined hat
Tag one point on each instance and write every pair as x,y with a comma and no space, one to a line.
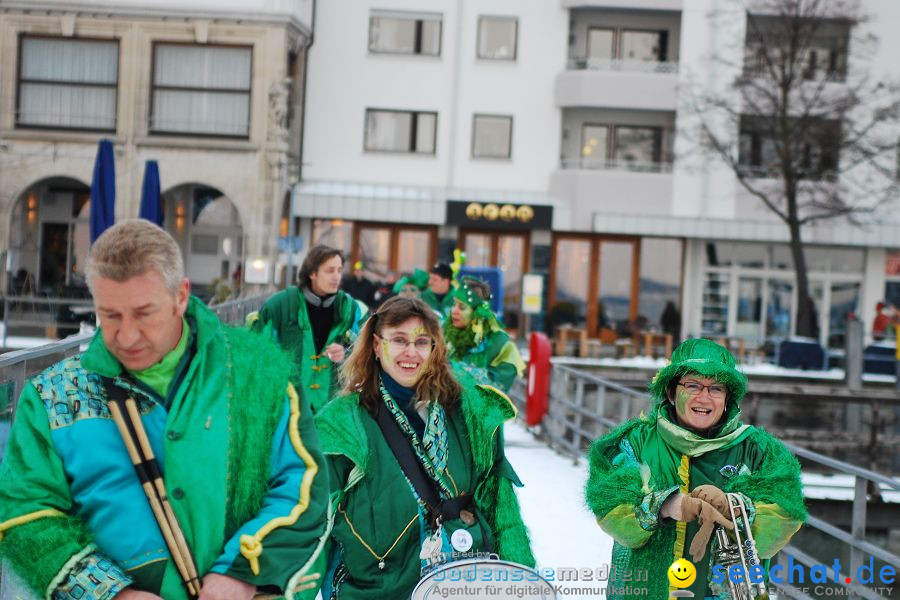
418,278
706,358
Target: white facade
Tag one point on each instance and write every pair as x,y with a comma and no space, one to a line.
600,94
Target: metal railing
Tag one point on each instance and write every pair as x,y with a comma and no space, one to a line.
602,164
584,407
617,64
41,311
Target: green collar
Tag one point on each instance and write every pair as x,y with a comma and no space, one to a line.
689,443
158,377
98,359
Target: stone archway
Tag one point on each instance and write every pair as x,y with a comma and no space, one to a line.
49,239
208,228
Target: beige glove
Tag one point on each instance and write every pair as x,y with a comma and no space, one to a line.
682,507
713,495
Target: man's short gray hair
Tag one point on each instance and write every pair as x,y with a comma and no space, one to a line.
132,247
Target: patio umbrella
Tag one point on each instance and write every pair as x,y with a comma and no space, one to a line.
103,190
151,202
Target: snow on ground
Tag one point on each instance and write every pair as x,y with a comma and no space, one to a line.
564,532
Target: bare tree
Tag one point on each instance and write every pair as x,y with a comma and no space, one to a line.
804,127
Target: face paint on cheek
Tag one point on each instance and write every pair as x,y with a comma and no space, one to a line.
681,400
386,352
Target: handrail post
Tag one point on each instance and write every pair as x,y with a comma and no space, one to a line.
577,418
858,522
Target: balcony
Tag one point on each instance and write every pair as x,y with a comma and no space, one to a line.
653,87
625,188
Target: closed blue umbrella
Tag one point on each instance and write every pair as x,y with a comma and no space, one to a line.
103,190
151,202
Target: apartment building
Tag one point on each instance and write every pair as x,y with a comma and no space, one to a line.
212,91
434,125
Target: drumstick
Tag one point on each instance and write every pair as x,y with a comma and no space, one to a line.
155,474
155,505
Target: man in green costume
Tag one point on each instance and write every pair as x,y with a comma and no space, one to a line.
314,321
657,483
477,341
440,284
399,371
237,446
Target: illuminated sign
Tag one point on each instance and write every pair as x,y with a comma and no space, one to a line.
499,215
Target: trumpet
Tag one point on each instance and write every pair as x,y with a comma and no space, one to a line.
740,550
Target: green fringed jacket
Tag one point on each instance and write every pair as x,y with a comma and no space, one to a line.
635,468
236,444
285,318
375,514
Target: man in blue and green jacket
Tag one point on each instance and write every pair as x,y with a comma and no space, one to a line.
235,442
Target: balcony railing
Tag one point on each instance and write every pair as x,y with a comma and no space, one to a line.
601,164
616,64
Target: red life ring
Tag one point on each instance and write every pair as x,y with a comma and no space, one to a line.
538,378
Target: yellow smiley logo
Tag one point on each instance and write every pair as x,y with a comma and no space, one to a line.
682,573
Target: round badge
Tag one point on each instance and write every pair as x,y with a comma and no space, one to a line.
461,540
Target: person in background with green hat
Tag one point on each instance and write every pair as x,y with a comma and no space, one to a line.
412,285
657,483
477,340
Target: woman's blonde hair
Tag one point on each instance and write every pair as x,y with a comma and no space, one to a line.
361,373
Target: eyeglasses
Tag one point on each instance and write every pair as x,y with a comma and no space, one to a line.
716,391
398,344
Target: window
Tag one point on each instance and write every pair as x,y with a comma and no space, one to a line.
601,43
627,44
594,145
405,33
400,131
646,46
69,84
815,151
641,145
491,136
816,49
497,37
201,90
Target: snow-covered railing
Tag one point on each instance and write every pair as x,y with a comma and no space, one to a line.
583,407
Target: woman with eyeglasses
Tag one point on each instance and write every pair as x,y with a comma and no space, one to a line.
416,463
658,483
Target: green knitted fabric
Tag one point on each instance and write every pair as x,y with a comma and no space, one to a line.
259,390
43,547
706,358
769,486
626,482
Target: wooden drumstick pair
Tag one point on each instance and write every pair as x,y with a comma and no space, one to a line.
138,445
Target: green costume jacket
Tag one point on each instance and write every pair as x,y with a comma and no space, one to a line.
635,468
285,317
495,361
238,449
375,510
441,307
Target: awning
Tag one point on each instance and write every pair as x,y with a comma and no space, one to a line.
394,203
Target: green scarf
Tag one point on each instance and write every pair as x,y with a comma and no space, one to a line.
159,377
459,340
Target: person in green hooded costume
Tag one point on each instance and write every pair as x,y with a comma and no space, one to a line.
412,285
314,321
236,444
451,427
477,341
657,483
